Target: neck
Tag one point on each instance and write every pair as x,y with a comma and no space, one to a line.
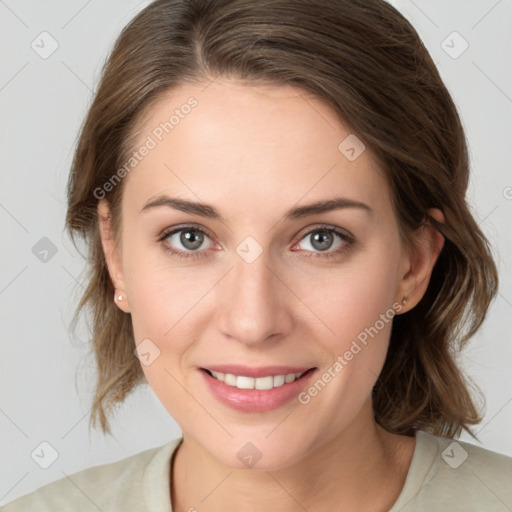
363,468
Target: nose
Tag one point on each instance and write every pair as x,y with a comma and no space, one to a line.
253,305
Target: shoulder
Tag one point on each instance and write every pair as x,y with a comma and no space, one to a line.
446,474
121,485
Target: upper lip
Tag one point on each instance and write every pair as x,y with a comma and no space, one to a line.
252,371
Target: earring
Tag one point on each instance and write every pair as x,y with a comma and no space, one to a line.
119,298
405,299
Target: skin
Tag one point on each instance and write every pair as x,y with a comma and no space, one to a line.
254,153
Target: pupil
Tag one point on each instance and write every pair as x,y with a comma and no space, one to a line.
191,239
322,240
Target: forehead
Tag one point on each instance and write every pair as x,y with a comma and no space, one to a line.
249,144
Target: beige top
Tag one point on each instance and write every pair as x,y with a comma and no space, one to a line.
444,475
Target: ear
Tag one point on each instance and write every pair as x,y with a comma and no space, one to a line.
419,262
112,255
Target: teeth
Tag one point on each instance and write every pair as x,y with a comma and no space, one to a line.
279,380
263,383
245,382
228,378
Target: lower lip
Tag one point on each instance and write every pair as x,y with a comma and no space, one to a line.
255,400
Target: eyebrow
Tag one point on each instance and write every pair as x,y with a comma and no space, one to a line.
209,211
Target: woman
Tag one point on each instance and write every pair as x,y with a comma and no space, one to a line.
273,194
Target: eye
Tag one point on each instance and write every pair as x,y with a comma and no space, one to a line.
188,240
323,239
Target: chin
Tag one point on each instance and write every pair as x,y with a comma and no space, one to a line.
260,452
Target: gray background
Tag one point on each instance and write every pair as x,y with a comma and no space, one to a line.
47,377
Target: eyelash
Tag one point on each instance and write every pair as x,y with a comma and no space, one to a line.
188,255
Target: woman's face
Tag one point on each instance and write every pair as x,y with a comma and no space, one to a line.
260,285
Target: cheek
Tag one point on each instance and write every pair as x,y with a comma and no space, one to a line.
160,299
359,310
161,303
349,300
157,289
356,306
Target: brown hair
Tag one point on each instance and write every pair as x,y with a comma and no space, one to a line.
366,61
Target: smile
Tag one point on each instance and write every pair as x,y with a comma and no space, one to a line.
264,389
262,383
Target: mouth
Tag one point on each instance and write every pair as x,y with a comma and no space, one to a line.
263,383
256,390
